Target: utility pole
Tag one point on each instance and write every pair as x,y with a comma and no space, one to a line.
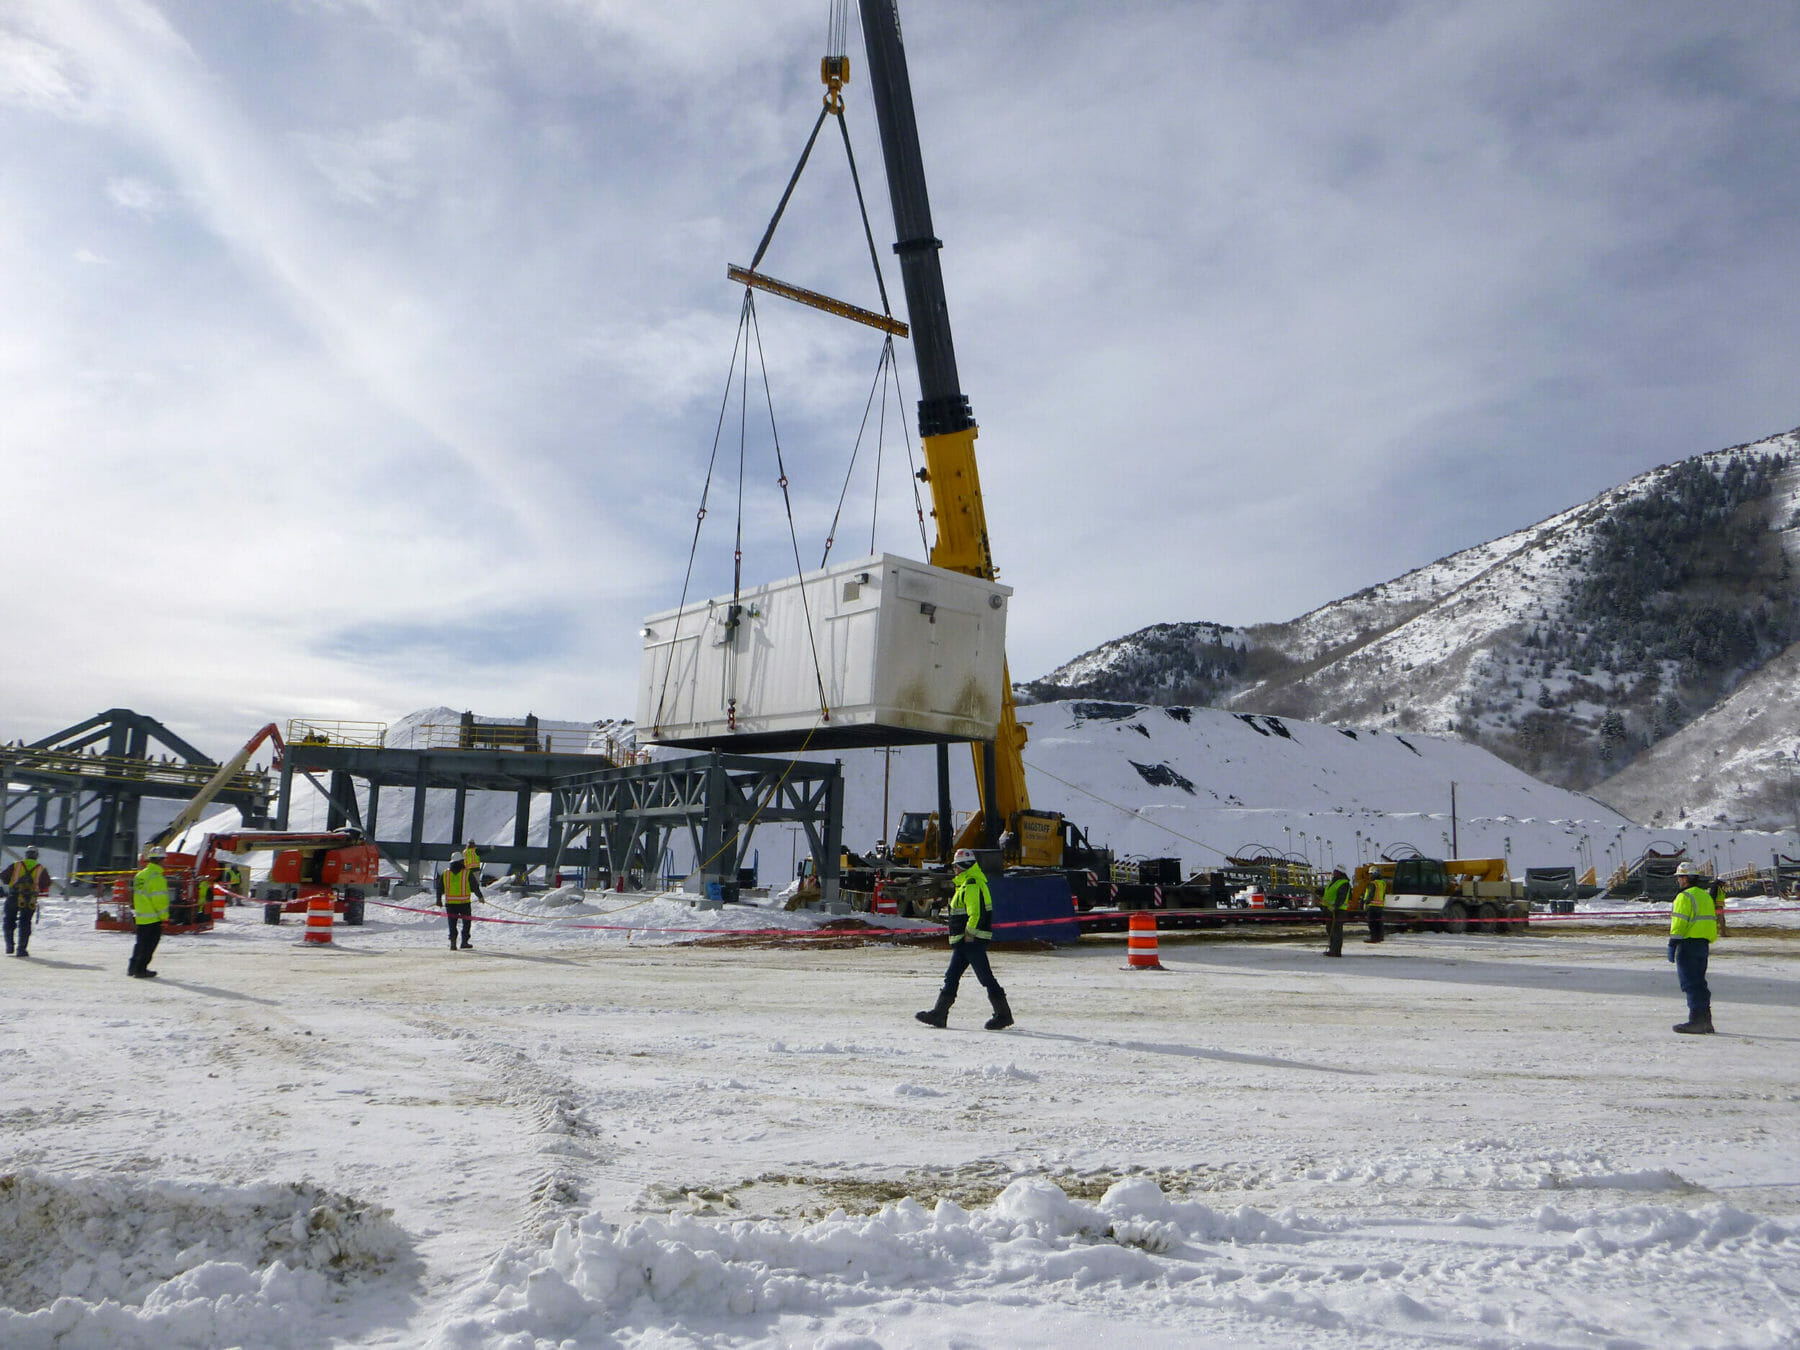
1455,851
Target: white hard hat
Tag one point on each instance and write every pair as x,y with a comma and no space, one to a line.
965,857
1684,868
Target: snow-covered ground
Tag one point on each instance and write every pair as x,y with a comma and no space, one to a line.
593,1136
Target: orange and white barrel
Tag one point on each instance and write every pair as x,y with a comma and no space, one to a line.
881,902
215,904
318,917
1140,942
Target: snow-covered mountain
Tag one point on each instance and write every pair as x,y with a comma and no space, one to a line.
1740,760
1570,648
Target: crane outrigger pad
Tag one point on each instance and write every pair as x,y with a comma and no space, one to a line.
882,650
843,309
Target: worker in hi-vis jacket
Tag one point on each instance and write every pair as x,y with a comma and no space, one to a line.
1334,901
1693,928
457,891
971,921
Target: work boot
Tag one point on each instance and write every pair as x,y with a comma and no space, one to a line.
1002,1017
467,944
1700,1025
939,1014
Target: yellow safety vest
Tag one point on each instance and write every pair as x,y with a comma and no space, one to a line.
471,860
1376,896
1693,915
25,879
456,887
1337,894
150,894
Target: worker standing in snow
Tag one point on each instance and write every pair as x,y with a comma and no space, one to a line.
26,880
1334,900
1375,908
150,905
457,891
471,860
971,929
1693,928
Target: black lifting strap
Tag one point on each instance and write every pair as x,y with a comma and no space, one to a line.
775,219
861,205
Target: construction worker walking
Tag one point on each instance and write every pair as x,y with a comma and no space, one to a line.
150,904
455,888
25,881
971,929
1375,908
1693,928
1333,901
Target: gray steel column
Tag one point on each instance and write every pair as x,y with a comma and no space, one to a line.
946,830
456,818
553,833
417,854
522,826
74,837
829,868
287,792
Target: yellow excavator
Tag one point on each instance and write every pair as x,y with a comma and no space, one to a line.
947,429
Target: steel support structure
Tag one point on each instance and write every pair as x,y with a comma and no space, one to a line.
79,791
619,821
353,779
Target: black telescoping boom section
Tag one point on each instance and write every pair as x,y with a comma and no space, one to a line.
947,427
943,408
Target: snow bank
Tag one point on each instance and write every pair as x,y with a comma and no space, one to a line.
1035,1246
596,1277
122,1263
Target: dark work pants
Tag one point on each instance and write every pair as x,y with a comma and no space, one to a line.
148,935
18,918
454,911
1334,932
1690,969
1375,916
969,954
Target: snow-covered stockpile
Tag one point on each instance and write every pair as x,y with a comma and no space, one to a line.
917,1276
106,1261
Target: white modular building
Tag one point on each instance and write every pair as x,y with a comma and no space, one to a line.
880,651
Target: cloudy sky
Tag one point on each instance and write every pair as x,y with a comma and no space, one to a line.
363,355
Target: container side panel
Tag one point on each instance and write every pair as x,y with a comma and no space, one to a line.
898,647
